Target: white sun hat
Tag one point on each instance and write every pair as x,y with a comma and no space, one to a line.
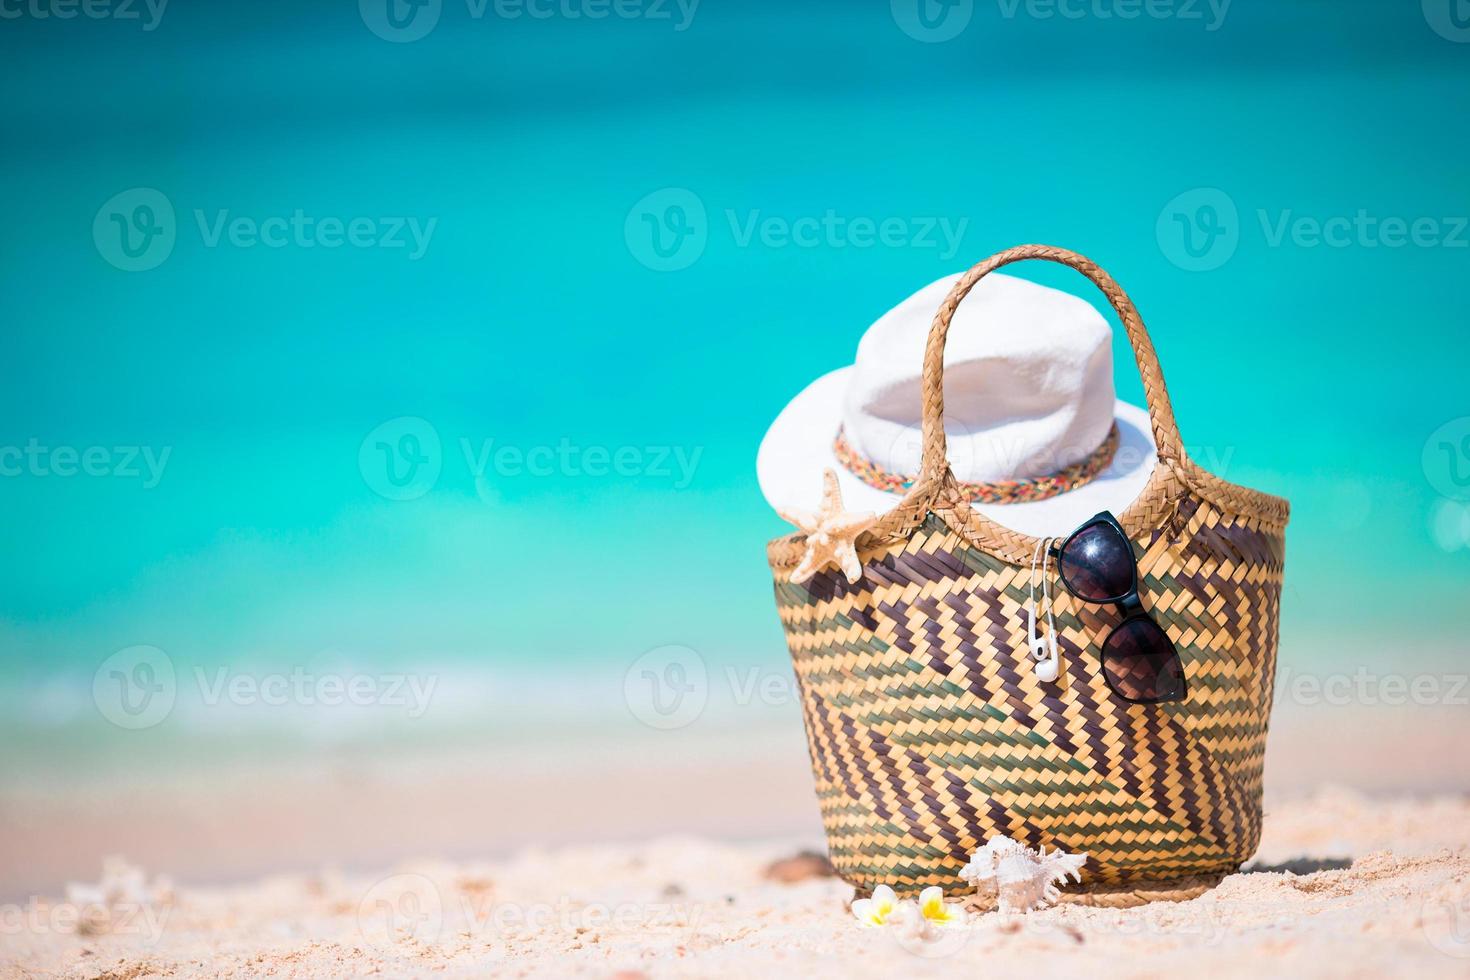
1031,417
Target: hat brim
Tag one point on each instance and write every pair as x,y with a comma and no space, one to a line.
797,450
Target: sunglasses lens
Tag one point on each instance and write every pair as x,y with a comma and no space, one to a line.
1141,664
1097,564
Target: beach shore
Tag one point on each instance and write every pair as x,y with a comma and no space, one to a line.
1344,885
230,811
624,848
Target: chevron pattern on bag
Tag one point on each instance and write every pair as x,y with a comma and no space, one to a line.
929,732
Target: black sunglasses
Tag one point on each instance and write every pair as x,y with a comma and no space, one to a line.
1139,661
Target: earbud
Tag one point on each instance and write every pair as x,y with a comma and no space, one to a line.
1044,652
1047,670
1043,648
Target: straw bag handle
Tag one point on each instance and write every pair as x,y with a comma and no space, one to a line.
1160,411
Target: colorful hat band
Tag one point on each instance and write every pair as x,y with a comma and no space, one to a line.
998,492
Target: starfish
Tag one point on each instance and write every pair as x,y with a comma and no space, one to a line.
831,534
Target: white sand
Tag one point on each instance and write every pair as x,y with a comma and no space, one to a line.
1392,898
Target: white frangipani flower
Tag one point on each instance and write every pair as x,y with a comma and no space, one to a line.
879,910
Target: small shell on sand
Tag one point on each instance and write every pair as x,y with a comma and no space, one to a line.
1018,878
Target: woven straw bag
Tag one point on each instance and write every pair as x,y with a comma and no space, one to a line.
928,730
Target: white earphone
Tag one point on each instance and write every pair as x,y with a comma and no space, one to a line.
1043,649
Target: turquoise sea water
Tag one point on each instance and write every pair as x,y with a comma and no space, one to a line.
240,244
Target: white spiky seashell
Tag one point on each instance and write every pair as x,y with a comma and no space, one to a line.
1019,878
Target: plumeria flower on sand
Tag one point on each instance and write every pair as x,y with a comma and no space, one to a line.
879,910
937,913
924,918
